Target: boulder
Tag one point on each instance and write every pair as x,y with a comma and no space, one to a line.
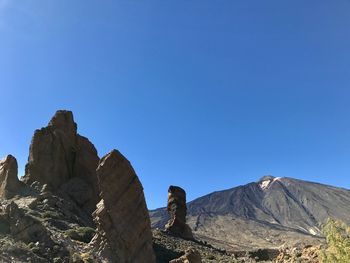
177,210
9,183
191,256
123,224
65,161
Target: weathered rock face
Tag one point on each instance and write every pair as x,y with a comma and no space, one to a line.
9,183
123,224
64,160
21,226
191,256
177,210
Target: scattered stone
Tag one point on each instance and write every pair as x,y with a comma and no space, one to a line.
308,254
64,161
264,254
9,183
177,210
191,256
122,219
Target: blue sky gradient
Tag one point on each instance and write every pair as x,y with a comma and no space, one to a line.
203,94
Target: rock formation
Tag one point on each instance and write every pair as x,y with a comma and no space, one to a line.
21,226
9,183
64,160
191,256
177,210
123,224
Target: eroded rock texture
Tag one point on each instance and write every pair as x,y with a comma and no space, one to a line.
64,160
123,224
191,256
9,183
21,226
177,210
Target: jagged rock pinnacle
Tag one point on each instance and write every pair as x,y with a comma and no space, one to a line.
9,183
63,120
65,161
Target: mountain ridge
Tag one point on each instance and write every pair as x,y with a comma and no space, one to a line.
272,206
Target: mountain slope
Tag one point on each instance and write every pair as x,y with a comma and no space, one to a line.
268,213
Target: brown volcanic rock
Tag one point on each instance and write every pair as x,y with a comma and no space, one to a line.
308,254
191,256
177,210
21,226
9,183
123,224
64,160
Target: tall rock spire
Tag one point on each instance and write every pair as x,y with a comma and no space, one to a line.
177,210
123,224
64,160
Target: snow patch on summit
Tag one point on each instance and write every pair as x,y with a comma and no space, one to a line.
265,184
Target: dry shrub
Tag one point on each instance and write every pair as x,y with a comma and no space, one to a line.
337,235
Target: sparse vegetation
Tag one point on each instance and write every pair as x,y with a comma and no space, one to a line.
83,234
337,235
87,258
57,260
51,214
76,258
81,258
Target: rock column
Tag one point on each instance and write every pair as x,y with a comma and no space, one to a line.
177,210
9,183
123,224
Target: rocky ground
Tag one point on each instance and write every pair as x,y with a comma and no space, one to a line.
43,227
168,247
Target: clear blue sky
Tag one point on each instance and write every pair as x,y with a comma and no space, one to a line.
203,94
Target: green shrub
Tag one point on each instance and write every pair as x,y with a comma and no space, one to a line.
337,235
83,234
51,214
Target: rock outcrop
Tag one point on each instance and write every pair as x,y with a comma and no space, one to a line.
177,210
123,224
9,183
191,256
65,161
21,226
